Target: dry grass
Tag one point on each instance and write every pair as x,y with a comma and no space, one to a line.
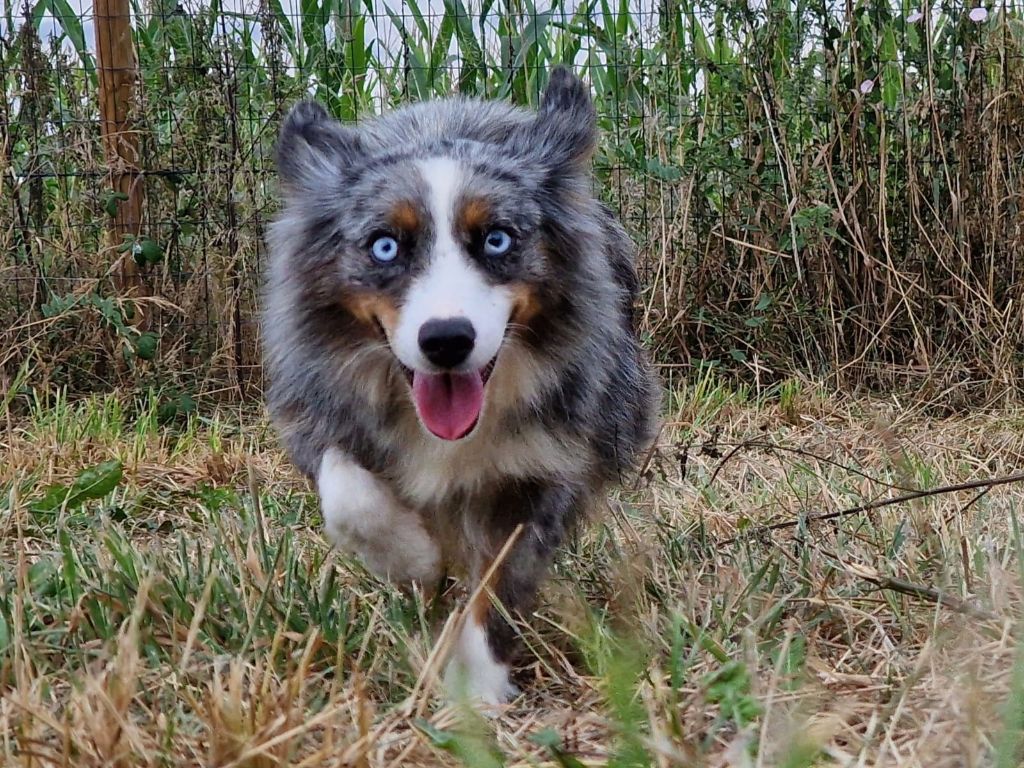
193,615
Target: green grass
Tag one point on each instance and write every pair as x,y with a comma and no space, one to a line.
167,597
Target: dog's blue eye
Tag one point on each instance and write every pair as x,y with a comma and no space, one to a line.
384,249
497,243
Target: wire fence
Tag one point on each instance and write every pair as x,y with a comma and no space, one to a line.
814,188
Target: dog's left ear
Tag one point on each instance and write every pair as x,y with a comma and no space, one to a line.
565,131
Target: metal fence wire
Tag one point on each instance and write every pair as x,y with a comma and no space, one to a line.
821,188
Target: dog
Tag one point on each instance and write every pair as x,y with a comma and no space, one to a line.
450,345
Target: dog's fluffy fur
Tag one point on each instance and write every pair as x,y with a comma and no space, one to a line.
570,402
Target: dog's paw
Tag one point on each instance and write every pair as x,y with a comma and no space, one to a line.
486,693
363,518
407,554
474,674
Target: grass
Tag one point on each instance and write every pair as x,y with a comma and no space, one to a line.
167,598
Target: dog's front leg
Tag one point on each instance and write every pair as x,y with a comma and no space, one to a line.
480,665
362,517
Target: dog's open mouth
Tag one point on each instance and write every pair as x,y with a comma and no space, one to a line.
449,404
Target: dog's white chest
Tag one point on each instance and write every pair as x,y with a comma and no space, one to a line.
432,471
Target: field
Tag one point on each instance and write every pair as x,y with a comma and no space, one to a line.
826,202
168,599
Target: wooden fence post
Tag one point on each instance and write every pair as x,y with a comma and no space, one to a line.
115,63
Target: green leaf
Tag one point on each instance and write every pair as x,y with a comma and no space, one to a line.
441,739
178,406
731,677
42,577
123,552
91,483
71,23
793,664
552,742
472,55
530,41
96,482
287,29
439,51
729,687
417,73
58,305
145,345
147,251
70,567
662,171
110,200
699,41
802,753
5,635
472,749
110,311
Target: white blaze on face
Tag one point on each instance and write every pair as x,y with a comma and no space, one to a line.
451,286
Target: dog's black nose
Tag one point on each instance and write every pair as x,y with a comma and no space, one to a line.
447,343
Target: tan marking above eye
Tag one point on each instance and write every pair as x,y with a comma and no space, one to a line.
473,216
405,217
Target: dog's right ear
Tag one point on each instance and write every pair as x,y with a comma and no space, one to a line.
312,147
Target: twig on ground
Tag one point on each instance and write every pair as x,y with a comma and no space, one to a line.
767,445
648,458
921,591
934,596
990,482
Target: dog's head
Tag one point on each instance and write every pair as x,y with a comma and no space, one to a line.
439,244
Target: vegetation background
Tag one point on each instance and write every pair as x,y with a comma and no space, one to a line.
814,187
827,202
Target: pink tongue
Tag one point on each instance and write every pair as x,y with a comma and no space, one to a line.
448,403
